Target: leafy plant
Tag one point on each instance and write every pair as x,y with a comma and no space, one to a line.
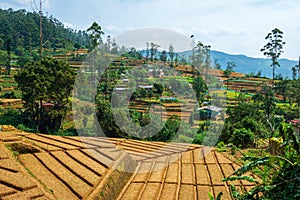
282,179
211,197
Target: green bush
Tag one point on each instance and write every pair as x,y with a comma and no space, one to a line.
281,173
199,137
9,95
221,147
242,137
10,117
25,128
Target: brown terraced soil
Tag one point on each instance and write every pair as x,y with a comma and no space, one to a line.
35,166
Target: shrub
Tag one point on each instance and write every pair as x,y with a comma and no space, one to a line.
9,95
199,137
25,128
242,137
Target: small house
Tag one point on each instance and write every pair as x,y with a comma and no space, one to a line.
209,112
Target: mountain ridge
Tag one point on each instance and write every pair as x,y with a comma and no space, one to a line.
247,65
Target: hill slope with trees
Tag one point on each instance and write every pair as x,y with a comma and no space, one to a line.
19,34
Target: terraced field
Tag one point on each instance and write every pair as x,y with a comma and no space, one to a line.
35,166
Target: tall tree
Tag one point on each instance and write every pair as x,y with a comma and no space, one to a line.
163,56
95,32
207,60
153,50
8,48
114,47
299,69
171,53
46,81
40,9
218,66
273,49
108,43
147,51
229,69
295,71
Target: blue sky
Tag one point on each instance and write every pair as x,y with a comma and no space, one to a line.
232,26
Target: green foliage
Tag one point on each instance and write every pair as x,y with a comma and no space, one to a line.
247,178
283,171
50,81
211,197
22,28
9,95
169,130
242,137
95,32
25,128
199,138
221,147
200,88
10,117
273,49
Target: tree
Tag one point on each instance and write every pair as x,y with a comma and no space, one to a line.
147,51
153,50
229,69
163,56
108,43
198,58
273,49
114,47
199,87
294,70
77,47
95,32
218,66
299,69
230,66
46,81
201,57
8,48
280,172
207,61
40,9
171,53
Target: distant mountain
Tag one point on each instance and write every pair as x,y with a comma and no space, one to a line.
249,65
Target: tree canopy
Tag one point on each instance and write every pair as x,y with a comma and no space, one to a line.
273,49
23,29
46,86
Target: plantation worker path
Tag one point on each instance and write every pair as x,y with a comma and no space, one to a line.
36,166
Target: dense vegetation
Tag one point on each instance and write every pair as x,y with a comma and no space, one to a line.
20,36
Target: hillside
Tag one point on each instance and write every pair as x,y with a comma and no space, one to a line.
247,65
20,35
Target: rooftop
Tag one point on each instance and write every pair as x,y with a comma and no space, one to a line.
212,108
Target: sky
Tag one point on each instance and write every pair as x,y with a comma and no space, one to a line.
231,26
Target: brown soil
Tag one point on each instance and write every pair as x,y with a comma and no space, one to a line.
70,170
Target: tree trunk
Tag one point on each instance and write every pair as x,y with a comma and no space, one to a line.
273,76
41,115
41,29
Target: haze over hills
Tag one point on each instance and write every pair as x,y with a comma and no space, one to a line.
247,65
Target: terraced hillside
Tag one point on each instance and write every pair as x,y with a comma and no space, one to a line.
36,166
